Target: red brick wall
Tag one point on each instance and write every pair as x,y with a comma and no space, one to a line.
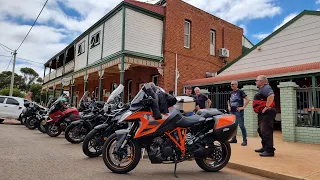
193,63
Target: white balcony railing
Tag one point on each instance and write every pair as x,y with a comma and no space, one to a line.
69,67
46,78
59,71
52,75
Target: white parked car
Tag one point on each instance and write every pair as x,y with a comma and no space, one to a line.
11,107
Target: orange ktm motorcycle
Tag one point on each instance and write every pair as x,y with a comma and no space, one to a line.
172,139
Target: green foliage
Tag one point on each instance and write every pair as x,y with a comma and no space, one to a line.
35,89
29,76
16,92
5,80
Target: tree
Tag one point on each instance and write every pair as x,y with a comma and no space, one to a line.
16,92
39,80
35,89
5,80
29,76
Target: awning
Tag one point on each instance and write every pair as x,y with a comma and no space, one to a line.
270,73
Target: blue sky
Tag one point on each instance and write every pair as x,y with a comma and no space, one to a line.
63,20
266,25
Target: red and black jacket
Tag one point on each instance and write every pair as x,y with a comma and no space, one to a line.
259,105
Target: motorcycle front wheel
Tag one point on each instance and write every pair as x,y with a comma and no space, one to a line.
53,129
92,143
75,134
123,162
218,158
42,126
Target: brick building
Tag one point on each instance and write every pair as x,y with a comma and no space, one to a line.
138,42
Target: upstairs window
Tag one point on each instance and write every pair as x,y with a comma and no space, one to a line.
95,39
187,34
212,42
81,48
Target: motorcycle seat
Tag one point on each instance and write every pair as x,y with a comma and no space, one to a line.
190,121
206,113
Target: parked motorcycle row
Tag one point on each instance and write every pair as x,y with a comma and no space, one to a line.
119,132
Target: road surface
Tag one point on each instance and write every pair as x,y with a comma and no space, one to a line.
29,154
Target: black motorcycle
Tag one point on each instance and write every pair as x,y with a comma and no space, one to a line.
93,142
77,130
33,115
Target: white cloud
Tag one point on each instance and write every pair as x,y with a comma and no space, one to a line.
245,31
237,10
318,2
261,36
45,39
285,20
318,9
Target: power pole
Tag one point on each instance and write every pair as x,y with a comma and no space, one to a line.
12,76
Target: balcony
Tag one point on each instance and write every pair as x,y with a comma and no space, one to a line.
46,78
59,71
69,67
53,75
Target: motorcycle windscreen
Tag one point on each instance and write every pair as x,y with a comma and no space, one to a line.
84,97
115,93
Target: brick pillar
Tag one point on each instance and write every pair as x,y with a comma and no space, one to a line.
288,105
250,117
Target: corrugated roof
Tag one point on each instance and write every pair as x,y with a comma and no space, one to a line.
275,72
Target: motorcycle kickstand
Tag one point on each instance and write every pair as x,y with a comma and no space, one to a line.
175,167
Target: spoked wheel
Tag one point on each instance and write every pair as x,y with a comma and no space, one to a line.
42,126
75,134
92,143
218,159
53,130
125,160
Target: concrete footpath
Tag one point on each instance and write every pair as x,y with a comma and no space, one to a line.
291,161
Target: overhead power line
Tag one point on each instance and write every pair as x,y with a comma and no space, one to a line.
32,25
21,59
2,45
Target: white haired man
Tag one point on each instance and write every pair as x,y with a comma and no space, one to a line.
236,107
263,104
201,99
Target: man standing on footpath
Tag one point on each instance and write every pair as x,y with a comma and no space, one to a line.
201,100
189,93
263,104
236,107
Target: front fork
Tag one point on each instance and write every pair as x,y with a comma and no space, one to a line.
124,135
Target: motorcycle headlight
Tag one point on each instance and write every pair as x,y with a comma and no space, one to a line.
124,116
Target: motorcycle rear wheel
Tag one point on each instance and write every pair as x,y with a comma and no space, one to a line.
220,158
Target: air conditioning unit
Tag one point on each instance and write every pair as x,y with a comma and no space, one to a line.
223,52
211,74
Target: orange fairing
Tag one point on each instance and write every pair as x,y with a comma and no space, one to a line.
225,121
148,123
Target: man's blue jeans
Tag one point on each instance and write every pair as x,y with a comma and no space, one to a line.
240,119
